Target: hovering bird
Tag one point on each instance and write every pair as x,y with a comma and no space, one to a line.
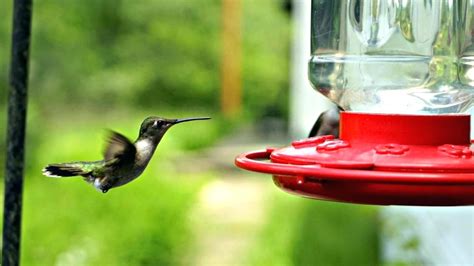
327,123
123,160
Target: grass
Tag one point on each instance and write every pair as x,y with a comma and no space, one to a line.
68,222
308,232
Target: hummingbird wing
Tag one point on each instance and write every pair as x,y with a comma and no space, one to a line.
119,149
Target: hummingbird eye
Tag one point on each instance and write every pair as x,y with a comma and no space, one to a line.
157,124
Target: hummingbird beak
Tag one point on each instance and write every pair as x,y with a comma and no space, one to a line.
190,119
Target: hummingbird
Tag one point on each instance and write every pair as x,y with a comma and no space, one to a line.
327,123
123,160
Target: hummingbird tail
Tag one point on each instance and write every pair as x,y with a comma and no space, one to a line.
65,170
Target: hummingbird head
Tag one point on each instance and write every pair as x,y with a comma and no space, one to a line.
155,127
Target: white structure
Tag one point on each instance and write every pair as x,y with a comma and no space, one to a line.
305,103
428,235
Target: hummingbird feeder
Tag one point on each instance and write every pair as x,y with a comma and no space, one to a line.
403,71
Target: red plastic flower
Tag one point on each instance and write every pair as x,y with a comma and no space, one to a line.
456,150
392,148
332,145
311,141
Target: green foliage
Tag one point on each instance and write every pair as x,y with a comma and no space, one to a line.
138,224
5,32
133,53
124,54
265,58
307,232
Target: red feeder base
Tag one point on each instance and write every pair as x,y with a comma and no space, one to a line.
379,159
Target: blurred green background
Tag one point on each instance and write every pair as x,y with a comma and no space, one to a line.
109,64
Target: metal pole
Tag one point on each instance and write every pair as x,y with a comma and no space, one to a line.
17,103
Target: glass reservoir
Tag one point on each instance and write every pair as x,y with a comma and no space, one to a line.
394,56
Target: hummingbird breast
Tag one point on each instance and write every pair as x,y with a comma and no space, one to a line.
145,149
122,174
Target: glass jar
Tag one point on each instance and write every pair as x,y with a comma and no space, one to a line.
394,56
